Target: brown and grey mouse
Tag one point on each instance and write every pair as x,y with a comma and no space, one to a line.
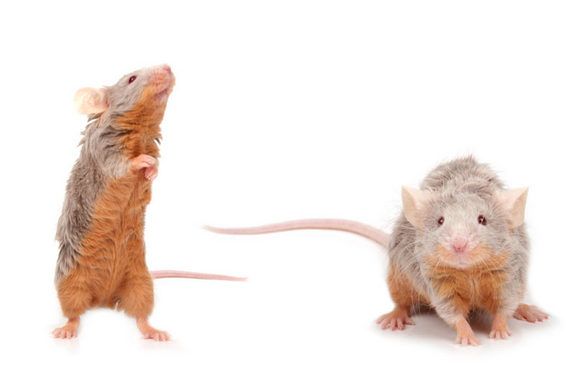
101,262
459,245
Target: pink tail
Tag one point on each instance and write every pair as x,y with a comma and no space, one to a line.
193,275
358,228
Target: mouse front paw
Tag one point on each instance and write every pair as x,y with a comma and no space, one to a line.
467,339
146,162
465,335
499,329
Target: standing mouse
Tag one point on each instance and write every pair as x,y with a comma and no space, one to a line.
101,262
459,245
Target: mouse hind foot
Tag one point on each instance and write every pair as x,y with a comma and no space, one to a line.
69,330
530,313
397,319
150,332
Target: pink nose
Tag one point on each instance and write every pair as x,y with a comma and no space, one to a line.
167,68
459,245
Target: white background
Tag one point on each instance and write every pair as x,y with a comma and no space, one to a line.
285,110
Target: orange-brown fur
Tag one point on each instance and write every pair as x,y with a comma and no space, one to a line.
476,287
112,269
144,120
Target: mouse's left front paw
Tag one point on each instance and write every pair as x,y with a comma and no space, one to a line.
147,163
151,173
499,332
499,329
465,335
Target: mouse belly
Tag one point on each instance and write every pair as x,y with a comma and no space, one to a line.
469,289
112,251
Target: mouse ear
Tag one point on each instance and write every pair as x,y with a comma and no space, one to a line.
513,201
414,201
91,100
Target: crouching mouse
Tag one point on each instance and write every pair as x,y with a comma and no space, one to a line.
459,245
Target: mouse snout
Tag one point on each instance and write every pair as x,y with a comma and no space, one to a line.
459,244
163,72
162,79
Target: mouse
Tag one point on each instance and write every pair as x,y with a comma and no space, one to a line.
460,245
101,260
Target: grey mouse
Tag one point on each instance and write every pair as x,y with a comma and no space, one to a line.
459,245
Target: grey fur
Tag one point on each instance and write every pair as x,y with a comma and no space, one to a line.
100,161
462,189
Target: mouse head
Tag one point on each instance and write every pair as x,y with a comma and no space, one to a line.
138,97
463,229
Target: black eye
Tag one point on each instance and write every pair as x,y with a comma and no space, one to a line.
482,220
440,221
131,79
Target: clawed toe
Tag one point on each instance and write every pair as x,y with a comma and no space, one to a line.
467,340
398,319
499,334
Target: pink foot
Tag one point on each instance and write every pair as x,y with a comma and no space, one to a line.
146,162
530,313
499,330
396,319
150,332
465,335
68,331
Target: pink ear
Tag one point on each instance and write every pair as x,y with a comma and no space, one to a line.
91,100
513,201
414,201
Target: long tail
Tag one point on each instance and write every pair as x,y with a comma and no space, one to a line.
193,275
358,228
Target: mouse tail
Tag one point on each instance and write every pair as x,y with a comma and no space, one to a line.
193,275
358,228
